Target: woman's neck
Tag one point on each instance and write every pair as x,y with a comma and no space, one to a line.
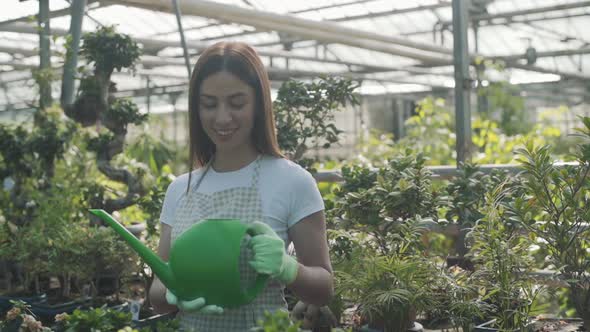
228,161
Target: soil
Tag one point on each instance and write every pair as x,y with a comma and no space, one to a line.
558,325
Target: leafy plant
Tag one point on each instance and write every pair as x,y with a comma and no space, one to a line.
123,112
400,194
93,320
503,265
502,100
152,151
389,290
379,219
109,50
277,322
556,208
457,300
431,131
303,112
467,197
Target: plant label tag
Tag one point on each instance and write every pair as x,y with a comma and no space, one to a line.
134,307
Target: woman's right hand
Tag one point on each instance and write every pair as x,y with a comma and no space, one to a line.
196,305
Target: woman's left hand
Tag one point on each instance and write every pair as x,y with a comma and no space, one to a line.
270,256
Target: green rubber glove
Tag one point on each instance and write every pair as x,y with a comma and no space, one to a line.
270,256
196,305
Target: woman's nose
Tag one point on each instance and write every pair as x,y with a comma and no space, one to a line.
223,114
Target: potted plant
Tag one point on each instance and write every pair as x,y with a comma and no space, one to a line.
388,290
379,214
556,209
28,159
501,253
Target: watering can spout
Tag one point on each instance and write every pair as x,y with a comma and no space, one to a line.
158,266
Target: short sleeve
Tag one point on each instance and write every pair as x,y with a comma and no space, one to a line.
171,199
305,197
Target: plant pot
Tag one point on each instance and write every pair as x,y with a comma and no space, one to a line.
489,327
46,312
152,321
558,324
462,262
29,299
107,284
378,325
417,327
136,229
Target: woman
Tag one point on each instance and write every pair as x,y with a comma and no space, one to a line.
242,174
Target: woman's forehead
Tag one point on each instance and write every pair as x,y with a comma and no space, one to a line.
224,84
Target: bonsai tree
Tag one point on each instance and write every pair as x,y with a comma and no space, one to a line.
556,208
108,51
304,113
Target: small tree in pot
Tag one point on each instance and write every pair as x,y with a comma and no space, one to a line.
108,51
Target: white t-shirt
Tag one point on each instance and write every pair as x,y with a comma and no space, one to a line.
288,192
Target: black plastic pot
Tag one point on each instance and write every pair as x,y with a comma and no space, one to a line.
6,305
46,312
489,327
153,321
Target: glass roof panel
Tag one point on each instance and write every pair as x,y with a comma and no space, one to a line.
551,30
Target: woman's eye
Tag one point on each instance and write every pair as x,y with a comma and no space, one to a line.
236,106
208,105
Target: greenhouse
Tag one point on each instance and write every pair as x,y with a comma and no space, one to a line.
263,165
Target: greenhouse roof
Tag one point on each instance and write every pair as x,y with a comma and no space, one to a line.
391,46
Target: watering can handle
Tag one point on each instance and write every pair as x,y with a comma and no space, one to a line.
261,279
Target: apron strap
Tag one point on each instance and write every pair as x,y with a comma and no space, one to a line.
196,186
256,174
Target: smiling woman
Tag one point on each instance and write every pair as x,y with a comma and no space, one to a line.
227,113
241,174
228,75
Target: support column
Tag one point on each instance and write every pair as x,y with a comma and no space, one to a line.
482,101
182,40
71,62
44,53
399,110
462,80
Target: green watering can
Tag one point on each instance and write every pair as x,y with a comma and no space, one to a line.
203,261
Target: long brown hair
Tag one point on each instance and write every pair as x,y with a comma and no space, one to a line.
241,60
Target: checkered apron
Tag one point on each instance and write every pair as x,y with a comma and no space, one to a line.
236,203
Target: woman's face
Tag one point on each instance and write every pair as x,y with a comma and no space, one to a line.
226,110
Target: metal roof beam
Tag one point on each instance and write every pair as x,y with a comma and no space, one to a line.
538,10
54,14
544,54
351,18
523,12
327,32
342,4
149,60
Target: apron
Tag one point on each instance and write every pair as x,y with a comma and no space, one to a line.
242,203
